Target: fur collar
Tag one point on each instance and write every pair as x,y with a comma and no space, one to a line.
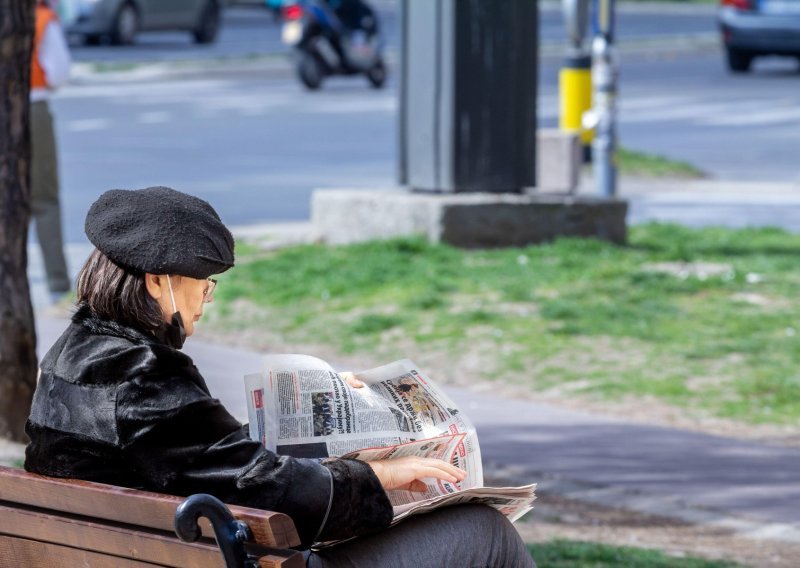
98,326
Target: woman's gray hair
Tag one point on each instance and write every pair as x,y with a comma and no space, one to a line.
115,293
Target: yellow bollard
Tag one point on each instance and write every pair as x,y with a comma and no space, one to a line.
575,97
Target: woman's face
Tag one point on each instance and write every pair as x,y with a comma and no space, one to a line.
190,299
190,296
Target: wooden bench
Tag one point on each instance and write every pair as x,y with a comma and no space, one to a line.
48,522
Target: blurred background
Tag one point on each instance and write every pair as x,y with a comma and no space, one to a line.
229,121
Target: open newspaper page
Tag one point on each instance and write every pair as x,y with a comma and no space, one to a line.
421,407
300,406
513,502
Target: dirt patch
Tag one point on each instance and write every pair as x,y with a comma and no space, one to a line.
558,517
683,270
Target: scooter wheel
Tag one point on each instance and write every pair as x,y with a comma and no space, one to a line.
377,75
310,72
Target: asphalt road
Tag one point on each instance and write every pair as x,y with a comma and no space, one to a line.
251,31
255,144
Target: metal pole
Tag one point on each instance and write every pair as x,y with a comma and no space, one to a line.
604,81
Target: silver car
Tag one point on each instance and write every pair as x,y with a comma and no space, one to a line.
121,20
751,28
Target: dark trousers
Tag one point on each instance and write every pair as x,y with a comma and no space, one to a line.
44,197
463,536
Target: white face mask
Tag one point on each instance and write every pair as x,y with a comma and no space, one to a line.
171,295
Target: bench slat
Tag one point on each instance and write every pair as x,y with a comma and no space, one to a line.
20,552
131,506
123,542
291,560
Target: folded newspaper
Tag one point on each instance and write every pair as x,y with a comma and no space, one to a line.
299,406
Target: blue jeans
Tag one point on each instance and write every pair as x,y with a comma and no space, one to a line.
468,536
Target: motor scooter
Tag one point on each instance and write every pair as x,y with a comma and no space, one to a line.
323,46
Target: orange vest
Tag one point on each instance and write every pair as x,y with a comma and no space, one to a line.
44,16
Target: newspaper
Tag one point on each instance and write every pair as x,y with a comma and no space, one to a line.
300,406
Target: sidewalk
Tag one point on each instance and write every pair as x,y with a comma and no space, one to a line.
707,202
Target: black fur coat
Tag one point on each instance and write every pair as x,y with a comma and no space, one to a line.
115,405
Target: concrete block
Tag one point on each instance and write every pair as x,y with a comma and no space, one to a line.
469,220
559,160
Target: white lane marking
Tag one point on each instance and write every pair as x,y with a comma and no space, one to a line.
88,124
768,116
155,117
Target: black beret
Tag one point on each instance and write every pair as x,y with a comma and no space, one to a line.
161,231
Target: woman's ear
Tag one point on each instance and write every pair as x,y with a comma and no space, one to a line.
154,286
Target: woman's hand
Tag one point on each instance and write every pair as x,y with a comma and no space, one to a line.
408,472
351,379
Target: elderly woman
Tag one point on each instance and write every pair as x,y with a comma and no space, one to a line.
118,402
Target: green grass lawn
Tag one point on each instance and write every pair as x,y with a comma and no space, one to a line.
701,319
571,554
634,163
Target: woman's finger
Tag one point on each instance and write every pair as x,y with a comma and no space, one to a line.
445,467
351,379
402,472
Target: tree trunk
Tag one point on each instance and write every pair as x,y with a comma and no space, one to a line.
17,332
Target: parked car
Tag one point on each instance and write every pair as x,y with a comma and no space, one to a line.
751,28
121,20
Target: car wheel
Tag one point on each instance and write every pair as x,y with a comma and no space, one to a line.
377,75
208,26
125,26
310,72
739,61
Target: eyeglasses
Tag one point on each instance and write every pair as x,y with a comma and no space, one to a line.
208,293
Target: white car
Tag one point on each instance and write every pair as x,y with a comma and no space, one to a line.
121,20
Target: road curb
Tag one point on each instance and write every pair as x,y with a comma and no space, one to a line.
650,7
279,63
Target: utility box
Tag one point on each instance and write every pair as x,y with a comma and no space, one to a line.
468,84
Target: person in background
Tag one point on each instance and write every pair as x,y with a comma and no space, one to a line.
50,64
355,15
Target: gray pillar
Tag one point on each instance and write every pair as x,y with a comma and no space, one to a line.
468,81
